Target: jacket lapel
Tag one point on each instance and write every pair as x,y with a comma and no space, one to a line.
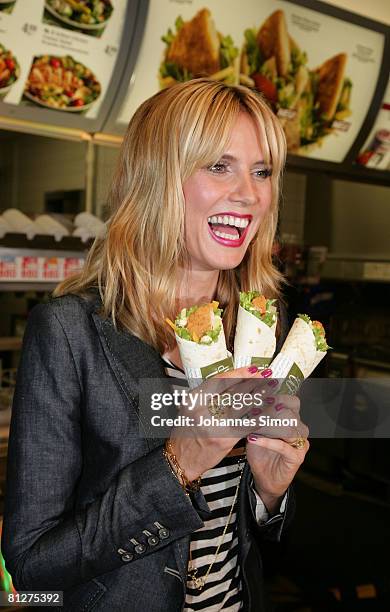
133,362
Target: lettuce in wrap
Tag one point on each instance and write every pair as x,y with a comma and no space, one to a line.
318,330
201,324
258,305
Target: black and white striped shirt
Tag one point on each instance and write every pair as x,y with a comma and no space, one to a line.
222,590
223,587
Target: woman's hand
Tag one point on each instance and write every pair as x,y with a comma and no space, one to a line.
273,461
200,448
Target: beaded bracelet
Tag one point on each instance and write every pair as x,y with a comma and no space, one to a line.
188,485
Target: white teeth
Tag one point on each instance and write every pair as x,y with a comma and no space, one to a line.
229,220
226,236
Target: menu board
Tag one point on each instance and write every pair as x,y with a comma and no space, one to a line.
376,151
59,55
318,72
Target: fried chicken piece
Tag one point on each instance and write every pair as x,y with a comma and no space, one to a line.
330,84
260,303
273,39
318,325
196,46
201,320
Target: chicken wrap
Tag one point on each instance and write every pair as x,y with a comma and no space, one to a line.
201,340
302,351
254,340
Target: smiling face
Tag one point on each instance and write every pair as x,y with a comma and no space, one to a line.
226,202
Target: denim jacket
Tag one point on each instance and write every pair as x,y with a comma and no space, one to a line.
82,483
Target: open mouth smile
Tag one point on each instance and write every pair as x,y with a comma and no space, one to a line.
229,228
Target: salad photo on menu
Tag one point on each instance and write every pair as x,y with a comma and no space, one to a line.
61,83
196,49
7,6
86,16
307,100
9,70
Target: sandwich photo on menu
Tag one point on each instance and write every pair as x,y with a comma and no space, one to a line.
196,49
307,101
326,99
273,62
333,90
7,6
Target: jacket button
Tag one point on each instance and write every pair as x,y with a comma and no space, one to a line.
125,555
140,548
163,533
153,540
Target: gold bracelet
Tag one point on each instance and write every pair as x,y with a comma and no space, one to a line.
173,471
176,473
188,485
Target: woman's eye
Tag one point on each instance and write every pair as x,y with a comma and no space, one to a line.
263,173
218,168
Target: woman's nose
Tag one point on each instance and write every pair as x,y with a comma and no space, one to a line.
244,190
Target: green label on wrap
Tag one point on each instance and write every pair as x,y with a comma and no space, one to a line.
217,368
293,380
261,362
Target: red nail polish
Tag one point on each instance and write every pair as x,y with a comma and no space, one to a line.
279,406
266,373
256,411
272,383
269,400
253,369
252,438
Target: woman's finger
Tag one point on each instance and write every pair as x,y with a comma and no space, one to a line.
228,380
249,371
290,453
287,432
290,402
235,382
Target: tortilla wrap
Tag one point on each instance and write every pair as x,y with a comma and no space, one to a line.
201,361
299,348
297,359
254,341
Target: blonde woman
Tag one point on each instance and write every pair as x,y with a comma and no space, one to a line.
93,508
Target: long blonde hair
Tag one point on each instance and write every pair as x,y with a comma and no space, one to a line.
135,266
